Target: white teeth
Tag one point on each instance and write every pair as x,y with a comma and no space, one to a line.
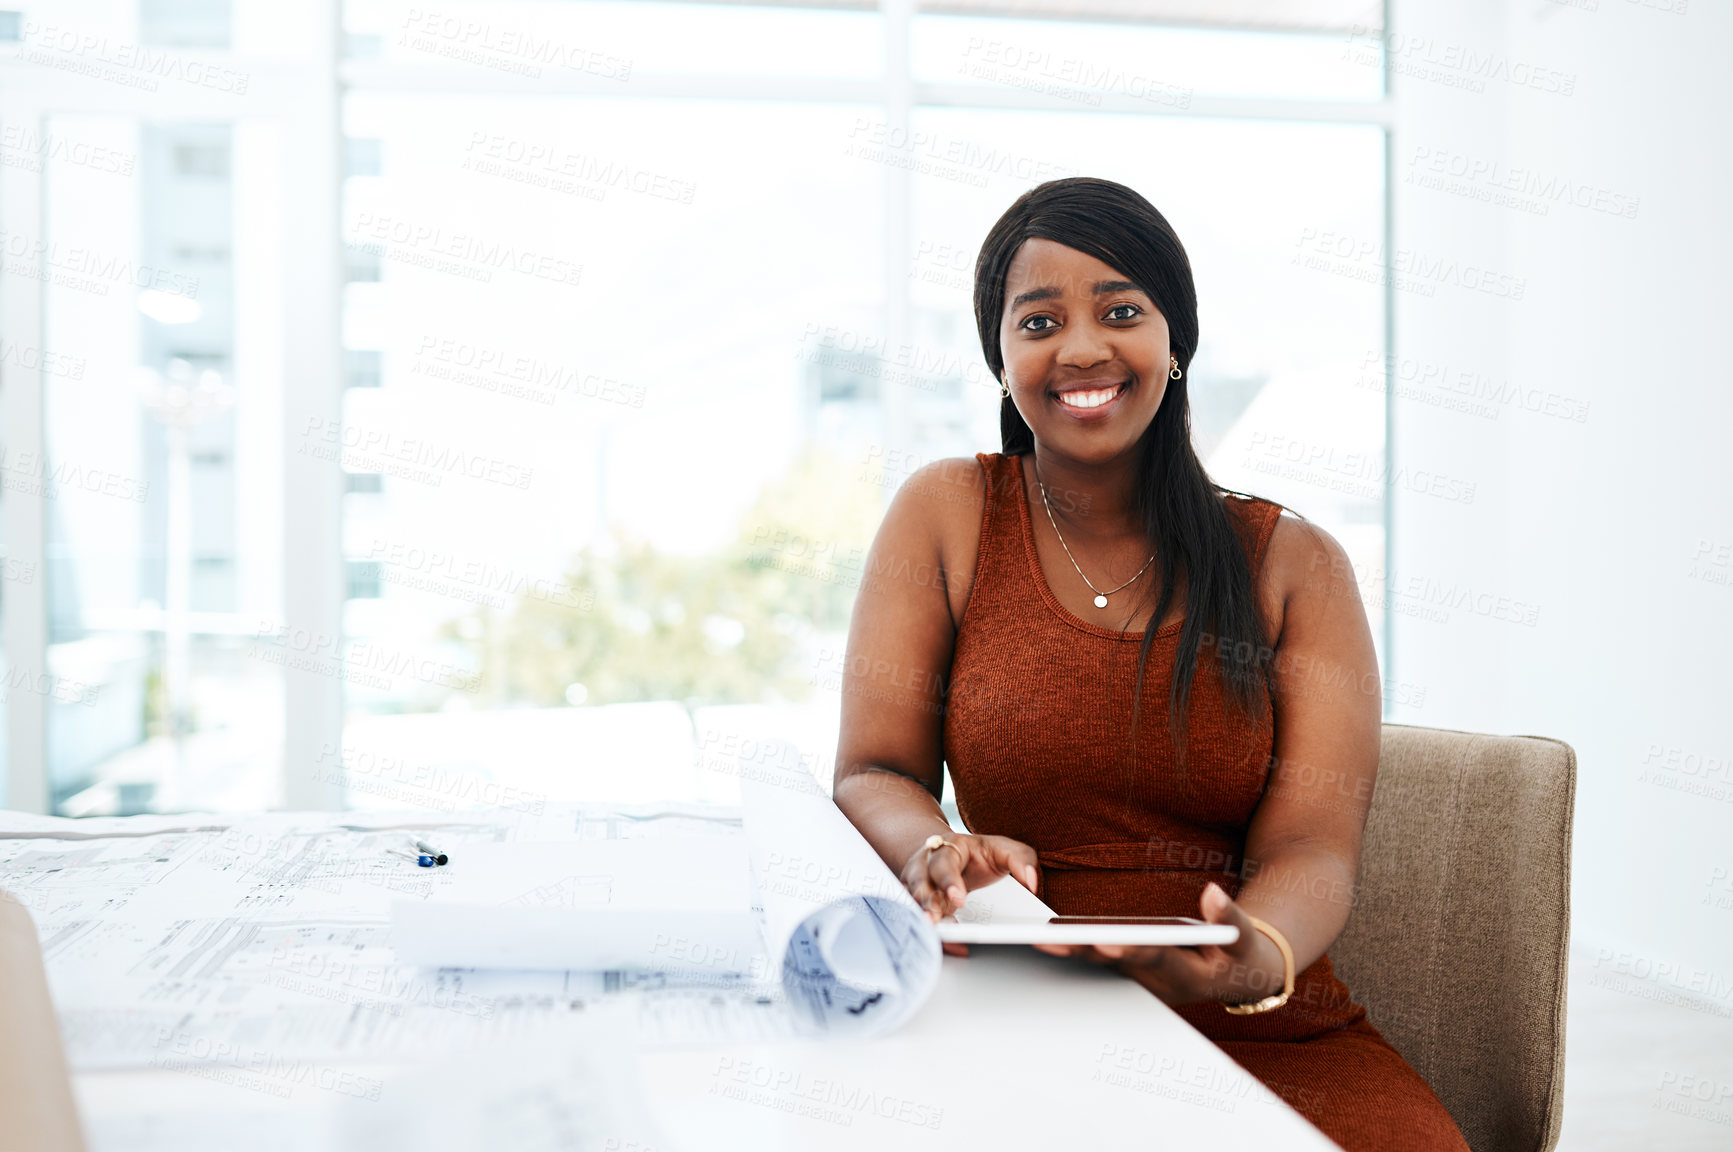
1088,399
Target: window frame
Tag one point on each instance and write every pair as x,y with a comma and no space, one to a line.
305,98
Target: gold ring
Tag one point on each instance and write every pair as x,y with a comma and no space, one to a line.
937,841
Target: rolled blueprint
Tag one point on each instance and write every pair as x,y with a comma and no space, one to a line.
854,950
36,1108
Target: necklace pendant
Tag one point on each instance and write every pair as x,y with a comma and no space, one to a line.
1101,601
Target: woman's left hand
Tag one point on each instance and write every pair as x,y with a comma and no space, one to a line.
1248,969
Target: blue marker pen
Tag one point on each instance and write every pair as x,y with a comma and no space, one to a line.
438,856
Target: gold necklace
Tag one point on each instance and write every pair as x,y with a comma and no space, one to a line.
1100,596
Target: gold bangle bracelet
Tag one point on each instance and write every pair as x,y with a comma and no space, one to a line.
1269,1002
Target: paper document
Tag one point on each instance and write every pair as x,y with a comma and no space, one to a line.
852,948
261,949
671,904
578,1087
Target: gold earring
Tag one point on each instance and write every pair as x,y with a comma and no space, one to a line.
1175,374
1004,386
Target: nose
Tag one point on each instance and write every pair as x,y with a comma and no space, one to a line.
1084,346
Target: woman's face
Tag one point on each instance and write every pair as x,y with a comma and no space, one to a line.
1085,352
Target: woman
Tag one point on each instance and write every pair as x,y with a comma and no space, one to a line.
1155,697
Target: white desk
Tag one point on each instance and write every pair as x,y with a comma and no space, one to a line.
1014,1048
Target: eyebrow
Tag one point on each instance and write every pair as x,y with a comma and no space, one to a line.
1099,288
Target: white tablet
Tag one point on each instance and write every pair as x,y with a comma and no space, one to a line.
1128,930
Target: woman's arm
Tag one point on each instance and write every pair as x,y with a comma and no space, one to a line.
890,758
1303,845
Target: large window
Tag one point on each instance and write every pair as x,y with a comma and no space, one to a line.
496,402
162,496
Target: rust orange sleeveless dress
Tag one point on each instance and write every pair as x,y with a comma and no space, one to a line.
1035,736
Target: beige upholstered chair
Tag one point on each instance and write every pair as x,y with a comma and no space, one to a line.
1457,941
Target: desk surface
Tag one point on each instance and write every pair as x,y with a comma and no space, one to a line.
1014,1047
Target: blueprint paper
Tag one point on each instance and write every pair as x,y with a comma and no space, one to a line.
853,950
258,949
580,1089
674,903
576,1087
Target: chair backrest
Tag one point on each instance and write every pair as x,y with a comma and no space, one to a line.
1458,939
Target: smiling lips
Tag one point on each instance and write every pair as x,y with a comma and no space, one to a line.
1091,397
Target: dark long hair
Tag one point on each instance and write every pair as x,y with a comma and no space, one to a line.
1181,508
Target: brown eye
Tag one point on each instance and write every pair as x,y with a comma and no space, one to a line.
1032,320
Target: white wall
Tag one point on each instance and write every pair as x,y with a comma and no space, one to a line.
1598,522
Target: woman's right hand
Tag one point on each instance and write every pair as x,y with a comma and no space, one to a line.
941,879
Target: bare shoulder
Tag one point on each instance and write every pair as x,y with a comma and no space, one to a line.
903,629
943,502
1306,571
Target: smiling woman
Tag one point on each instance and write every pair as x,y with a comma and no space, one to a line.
1086,309
1075,322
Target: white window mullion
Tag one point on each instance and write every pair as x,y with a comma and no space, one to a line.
898,17
312,399
25,621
